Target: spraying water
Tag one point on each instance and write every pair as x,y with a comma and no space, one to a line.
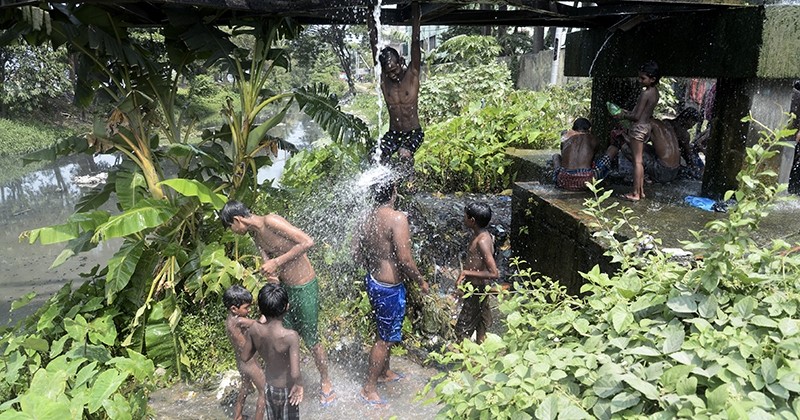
376,15
599,51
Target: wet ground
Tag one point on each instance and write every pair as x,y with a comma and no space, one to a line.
185,402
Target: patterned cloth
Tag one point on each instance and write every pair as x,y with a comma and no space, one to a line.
576,179
393,140
475,312
278,406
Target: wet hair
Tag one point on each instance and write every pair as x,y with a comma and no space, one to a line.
236,296
689,114
386,53
232,209
650,68
582,124
273,300
382,191
481,212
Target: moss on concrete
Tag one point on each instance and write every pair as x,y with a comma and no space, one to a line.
780,51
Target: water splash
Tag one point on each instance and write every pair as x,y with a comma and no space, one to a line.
599,51
376,15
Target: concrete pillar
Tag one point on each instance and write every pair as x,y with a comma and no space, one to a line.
726,147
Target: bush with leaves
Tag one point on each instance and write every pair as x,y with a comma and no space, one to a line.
467,152
443,93
717,339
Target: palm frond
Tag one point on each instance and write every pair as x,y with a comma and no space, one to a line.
323,106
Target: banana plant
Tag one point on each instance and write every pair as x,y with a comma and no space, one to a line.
166,226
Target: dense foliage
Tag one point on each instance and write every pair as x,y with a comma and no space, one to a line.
103,340
467,152
717,338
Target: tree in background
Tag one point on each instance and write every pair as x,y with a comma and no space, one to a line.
31,77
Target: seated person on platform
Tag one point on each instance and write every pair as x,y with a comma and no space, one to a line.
662,158
574,167
680,127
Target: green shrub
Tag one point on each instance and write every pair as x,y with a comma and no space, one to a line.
718,338
467,153
205,343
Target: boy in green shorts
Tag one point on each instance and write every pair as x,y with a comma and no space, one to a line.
283,249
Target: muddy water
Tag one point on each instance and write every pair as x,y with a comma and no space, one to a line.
43,197
184,402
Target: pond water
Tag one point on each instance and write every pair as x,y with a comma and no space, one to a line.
43,197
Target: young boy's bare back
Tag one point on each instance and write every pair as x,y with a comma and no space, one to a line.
280,349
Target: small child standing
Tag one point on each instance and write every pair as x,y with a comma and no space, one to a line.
642,116
237,300
280,349
479,270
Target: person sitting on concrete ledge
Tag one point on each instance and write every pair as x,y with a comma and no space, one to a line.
575,166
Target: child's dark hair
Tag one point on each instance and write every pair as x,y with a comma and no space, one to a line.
582,124
232,209
387,52
272,300
382,191
236,296
650,68
481,212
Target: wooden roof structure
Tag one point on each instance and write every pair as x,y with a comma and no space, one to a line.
599,14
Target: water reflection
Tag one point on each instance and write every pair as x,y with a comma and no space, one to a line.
43,197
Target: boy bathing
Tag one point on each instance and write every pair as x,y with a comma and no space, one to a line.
238,300
641,116
280,349
479,270
283,249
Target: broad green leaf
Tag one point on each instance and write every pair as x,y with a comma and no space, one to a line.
103,387
37,344
682,304
707,308
646,388
607,385
22,301
130,188
674,339
642,351
718,398
621,318
53,234
151,213
193,188
103,330
769,371
259,132
763,321
86,373
622,401
548,409
789,327
121,267
118,408
77,328
745,306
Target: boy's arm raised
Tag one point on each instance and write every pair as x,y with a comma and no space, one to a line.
416,53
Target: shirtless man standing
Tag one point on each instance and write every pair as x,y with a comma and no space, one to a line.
574,166
400,86
383,246
642,117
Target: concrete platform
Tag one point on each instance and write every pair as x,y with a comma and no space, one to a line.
550,231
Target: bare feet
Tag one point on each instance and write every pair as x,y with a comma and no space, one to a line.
390,376
326,394
631,197
371,398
